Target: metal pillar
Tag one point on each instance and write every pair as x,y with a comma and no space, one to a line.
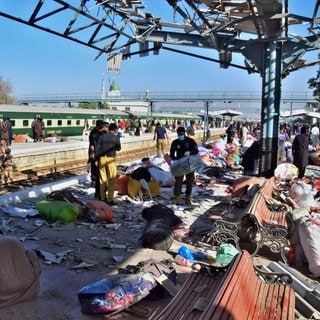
206,121
270,108
149,105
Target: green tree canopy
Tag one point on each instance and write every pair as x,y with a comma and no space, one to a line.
5,92
93,105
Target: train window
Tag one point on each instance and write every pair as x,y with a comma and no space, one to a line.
69,122
13,123
59,122
25,123
49,123
78,122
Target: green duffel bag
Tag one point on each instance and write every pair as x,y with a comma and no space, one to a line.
57,210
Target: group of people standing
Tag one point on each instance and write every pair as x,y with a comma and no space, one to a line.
38,130
104,142
162,137
292,148
297,150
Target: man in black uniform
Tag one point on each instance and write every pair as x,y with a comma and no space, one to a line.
107,146
181,147
300,149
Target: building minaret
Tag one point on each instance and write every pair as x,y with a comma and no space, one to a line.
103,88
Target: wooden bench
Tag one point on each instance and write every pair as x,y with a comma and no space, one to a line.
268,187
241,186
238,292
232,225
255,220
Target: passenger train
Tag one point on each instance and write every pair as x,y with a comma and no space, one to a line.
70,121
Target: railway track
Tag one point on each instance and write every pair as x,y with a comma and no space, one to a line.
59,171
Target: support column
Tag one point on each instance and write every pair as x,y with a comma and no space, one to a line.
149,105
270,108
206,121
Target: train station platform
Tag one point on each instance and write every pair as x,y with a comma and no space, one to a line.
30,154
74,148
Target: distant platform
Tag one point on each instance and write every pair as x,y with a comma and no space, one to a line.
30,154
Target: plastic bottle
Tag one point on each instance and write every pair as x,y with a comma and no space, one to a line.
183,261
212,255
186,252
198,255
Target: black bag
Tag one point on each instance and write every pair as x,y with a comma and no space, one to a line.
157,235
160,211
141,173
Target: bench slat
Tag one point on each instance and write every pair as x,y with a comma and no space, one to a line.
264,215
180,306
237,295
252,312
236,301
289,299
240,186
242,301
197,286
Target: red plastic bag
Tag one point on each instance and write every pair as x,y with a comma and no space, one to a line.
97,210
121,184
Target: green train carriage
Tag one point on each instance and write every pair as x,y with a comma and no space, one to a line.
57,120
164,117
70,121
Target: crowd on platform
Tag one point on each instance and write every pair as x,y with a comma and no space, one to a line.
104,142
297,144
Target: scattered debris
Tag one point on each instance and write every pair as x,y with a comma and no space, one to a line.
54,257
20,212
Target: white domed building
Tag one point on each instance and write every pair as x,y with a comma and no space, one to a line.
130,105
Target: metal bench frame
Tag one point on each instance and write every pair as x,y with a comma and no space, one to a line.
271,227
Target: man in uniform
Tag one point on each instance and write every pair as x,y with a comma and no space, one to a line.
107,145
94,135
181,147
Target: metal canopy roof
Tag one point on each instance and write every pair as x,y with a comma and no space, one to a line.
293,113
122,28
301,112
226,112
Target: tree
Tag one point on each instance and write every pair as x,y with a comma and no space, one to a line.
93,105
314,83
5,92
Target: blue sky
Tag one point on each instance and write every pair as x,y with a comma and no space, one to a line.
36,62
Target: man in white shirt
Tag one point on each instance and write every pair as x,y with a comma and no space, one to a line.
314,134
